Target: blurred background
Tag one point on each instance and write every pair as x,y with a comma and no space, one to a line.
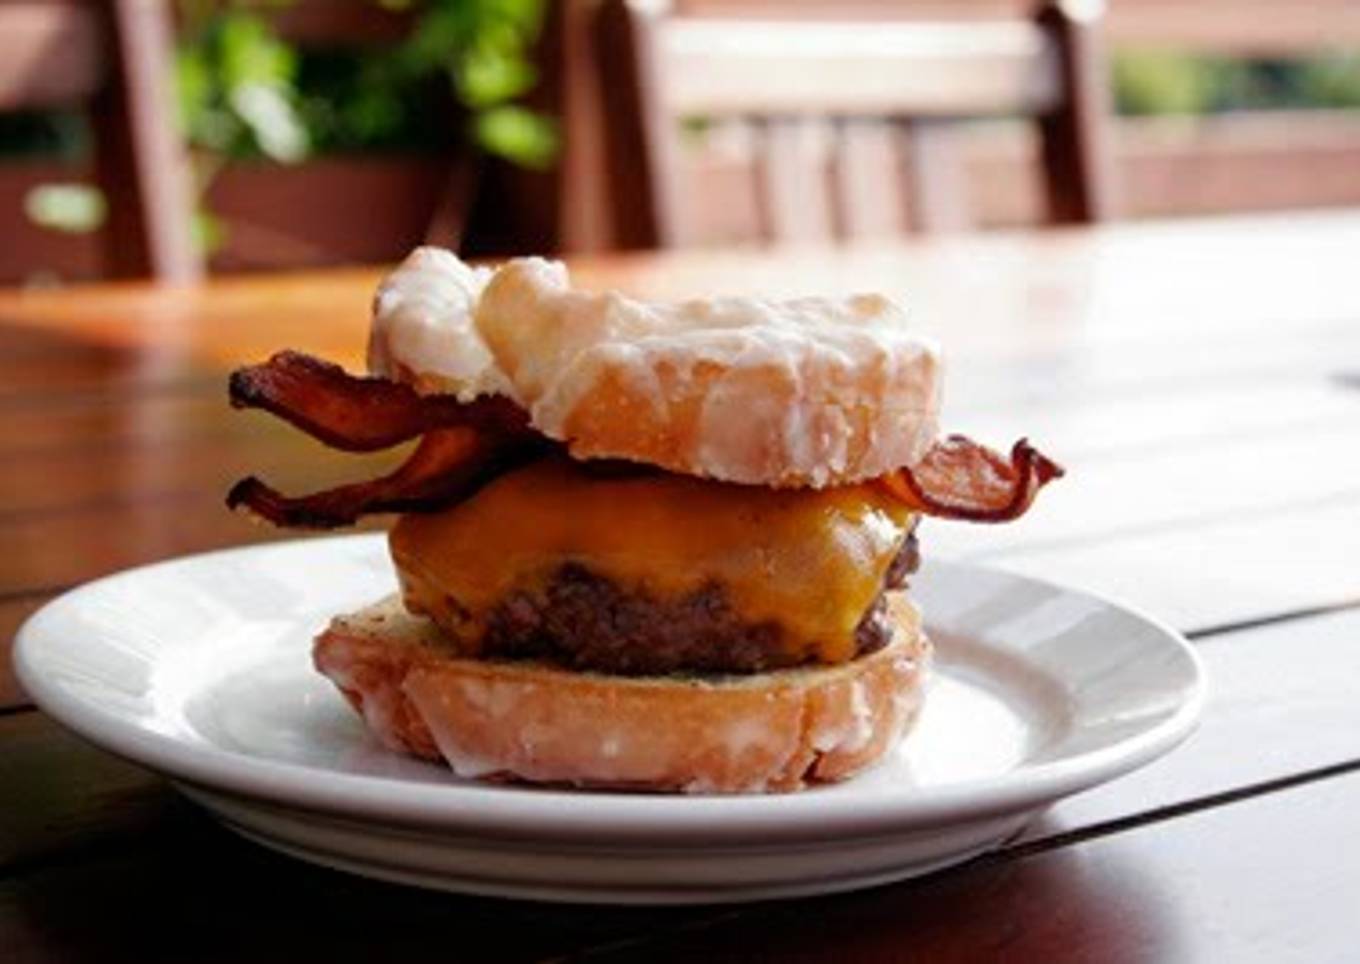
165,138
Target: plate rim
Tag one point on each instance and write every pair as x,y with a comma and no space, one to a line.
519,813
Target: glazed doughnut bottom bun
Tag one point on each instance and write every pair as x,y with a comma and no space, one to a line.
533,722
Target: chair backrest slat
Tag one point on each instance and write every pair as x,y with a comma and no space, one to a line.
937,200
716,67
1076,140
142,163
856,80
791,152
857,192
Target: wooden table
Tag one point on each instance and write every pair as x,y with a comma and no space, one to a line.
1201,380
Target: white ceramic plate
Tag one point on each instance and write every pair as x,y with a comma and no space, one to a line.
200,668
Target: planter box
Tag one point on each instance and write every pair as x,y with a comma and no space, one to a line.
328,211
29,253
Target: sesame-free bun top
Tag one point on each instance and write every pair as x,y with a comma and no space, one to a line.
804,392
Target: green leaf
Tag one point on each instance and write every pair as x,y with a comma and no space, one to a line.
1332,81
272,121
209,232
439,36
193,84
490,77
252,54
519,135
68,208
1163,83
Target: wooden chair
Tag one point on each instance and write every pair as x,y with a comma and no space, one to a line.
657,70
113,58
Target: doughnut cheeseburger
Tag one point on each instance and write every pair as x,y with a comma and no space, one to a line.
650,546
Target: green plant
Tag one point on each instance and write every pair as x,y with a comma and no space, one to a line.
1333,81
1161,82
237,84
483,48
1173,82
245,92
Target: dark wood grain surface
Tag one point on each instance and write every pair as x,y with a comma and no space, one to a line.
1199,379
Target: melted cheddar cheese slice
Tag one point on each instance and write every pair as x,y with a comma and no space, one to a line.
812,561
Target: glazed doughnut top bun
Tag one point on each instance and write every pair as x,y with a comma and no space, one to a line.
814,391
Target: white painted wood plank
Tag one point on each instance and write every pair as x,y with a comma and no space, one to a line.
1115,496
1194,576
1281,700
1161,421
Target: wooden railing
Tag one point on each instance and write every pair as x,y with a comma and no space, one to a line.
1237,27
1165,166
1271,27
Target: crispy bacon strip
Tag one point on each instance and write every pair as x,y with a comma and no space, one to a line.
463,445
960,479
356,414
447,466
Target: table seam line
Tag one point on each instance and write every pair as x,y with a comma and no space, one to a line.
1021,851
37,592
1275,619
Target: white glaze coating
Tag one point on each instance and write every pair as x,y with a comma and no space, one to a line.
380,705
423,329
811,381
463,759
805,391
